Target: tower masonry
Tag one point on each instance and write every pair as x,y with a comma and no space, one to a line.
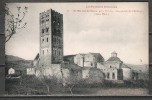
51,38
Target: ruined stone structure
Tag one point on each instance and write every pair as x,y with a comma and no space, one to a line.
88,60
88,63
49,60
92,66
115,69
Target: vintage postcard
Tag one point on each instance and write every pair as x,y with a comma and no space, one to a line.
77,49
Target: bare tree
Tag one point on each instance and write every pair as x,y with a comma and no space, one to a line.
51,82
72,81
14,22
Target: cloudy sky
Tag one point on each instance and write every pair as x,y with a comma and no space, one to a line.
123,32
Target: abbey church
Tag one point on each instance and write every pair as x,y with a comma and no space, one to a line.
50,61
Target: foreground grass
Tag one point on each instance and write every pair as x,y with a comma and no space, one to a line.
30,85
111,91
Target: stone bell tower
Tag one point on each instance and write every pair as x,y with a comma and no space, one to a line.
113,54
51,38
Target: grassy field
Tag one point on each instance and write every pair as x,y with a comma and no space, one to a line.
103,92
107,92
30,85
119,92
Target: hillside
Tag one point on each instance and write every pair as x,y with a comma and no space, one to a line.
142,68
17,62
12,58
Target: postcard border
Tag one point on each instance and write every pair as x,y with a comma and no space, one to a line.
2,56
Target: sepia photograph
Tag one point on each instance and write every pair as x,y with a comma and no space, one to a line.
77,49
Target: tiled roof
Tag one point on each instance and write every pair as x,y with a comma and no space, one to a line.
37,56
124,66
69,56
97,55
114,59
83,54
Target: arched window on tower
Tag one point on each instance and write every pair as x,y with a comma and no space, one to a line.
47,29
47,51
91,64
108,75
42,40
43,52
42,30
47,39
113,75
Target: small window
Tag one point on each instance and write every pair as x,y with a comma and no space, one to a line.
42,30
42,40
47,15
43,51
59,41
54,52
47,39
47,29
113,75
108,75
91,64
59,53
42,21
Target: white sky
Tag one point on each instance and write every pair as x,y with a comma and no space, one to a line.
125,32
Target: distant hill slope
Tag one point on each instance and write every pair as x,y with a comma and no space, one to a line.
13,58
17,62
142,68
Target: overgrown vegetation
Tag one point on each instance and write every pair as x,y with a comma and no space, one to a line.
31,85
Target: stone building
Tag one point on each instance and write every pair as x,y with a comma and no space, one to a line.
17,71
114,61
32,70
51,38
50,56
79,59
127,72
69,58
36,61
86,65
92,75
11,71
50,62
115,69
88,60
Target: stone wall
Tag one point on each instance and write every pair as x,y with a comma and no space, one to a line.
127,74
93,75
113,64
30,71
79,60
57,36
111,73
